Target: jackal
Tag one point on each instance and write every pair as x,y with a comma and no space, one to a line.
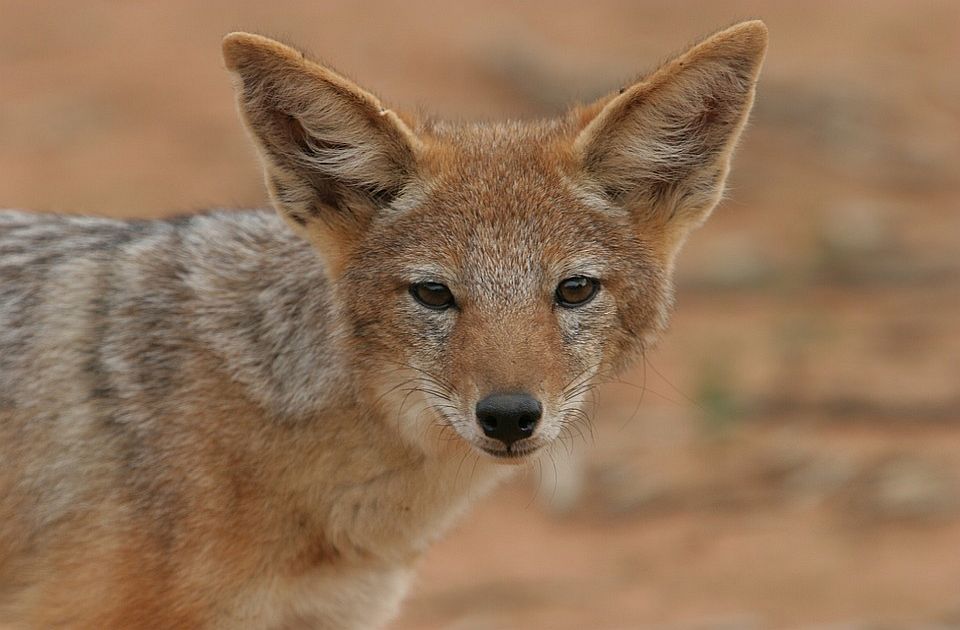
256,420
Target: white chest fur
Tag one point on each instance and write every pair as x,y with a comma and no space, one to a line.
336,598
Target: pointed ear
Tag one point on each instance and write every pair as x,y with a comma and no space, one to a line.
662,147
333,154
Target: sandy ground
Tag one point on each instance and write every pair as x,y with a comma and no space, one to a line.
790,455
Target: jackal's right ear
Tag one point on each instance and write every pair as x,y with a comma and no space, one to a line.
333,154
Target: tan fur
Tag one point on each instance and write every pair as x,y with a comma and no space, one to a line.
222,422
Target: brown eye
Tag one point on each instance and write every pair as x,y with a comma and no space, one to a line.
576,291
432,295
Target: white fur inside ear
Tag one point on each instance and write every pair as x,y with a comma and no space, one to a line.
333,154
342,149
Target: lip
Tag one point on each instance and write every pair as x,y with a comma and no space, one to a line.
510,455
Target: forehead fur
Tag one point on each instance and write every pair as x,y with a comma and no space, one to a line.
510,166
512,193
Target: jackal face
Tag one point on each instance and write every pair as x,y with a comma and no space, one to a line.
501,268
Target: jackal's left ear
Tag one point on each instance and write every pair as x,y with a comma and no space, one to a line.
662,146
333,154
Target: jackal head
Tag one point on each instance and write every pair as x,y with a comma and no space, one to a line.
503,267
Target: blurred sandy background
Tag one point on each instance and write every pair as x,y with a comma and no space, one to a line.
795,458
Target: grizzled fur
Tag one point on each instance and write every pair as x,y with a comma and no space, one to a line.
244,419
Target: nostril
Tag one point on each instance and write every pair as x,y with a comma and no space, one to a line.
488,424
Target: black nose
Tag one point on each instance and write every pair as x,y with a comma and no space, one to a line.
508,417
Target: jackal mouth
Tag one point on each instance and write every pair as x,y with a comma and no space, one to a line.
510,453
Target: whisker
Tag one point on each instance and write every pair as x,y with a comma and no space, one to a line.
672,386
